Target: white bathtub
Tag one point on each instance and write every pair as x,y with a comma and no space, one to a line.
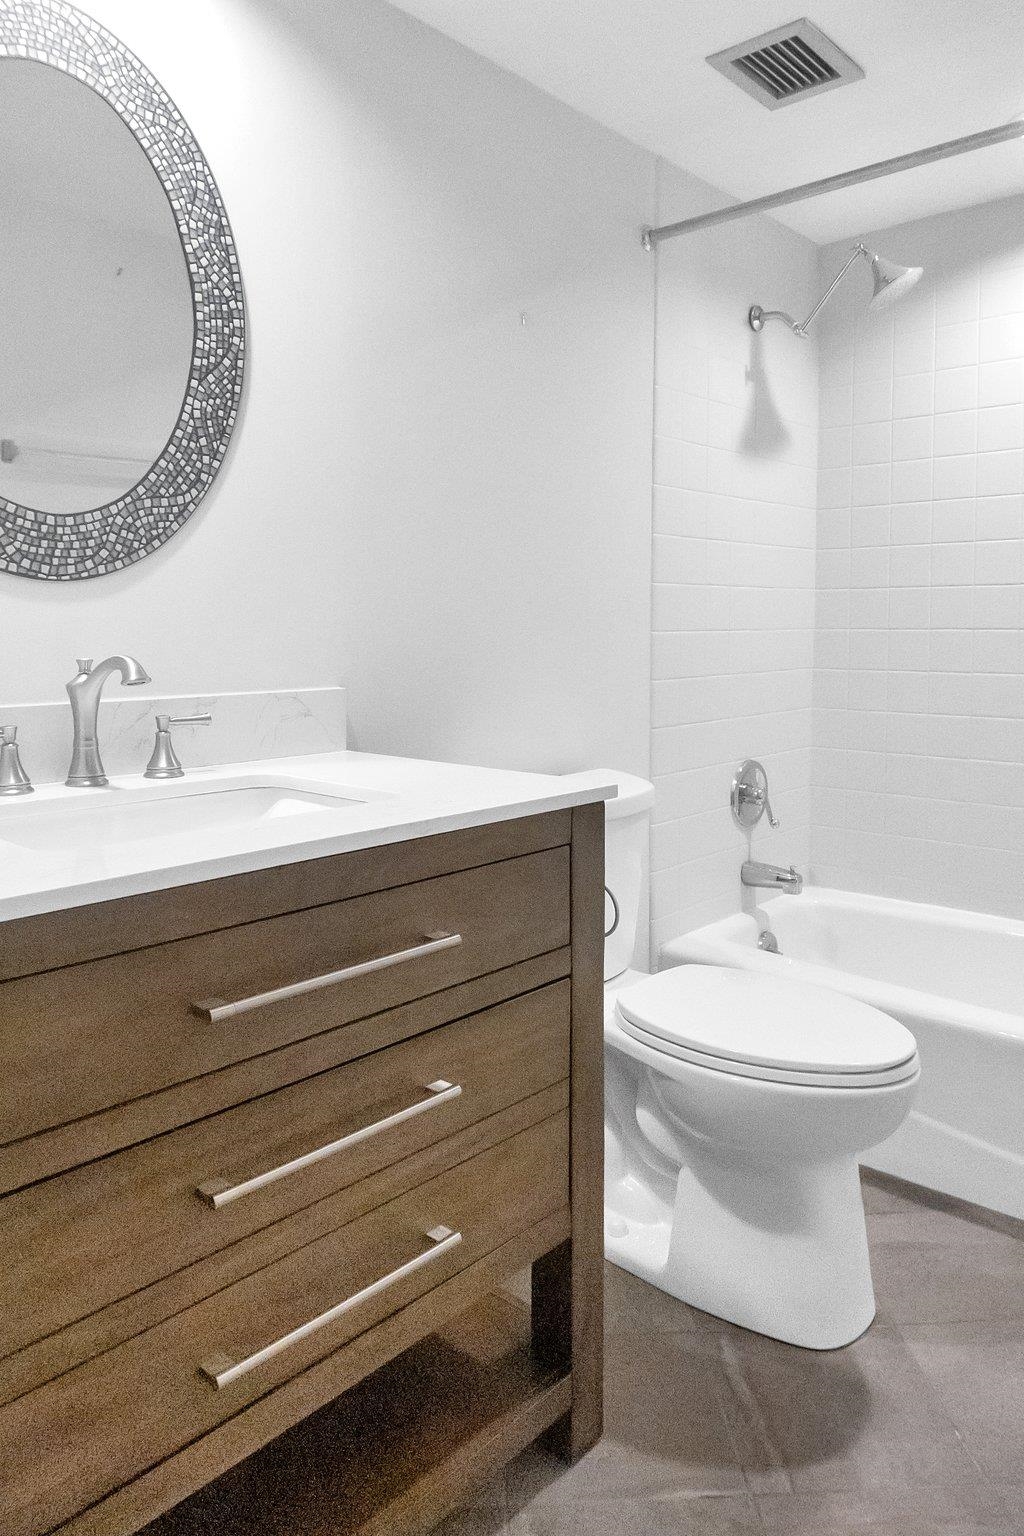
955,979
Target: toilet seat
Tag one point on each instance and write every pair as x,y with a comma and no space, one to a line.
749,1025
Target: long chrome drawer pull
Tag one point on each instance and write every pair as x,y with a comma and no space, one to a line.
218,1192
216,1009
221,1370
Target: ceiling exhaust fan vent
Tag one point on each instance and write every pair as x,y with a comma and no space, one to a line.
786,65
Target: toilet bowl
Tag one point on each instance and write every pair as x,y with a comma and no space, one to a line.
757,1097
736,1107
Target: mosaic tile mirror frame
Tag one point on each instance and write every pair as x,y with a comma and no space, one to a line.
107,538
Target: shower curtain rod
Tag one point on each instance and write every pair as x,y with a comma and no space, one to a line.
1015,130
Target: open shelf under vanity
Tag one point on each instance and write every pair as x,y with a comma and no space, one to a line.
401,1449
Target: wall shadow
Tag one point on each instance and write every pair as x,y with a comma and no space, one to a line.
765,433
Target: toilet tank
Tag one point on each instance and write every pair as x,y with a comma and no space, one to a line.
625,861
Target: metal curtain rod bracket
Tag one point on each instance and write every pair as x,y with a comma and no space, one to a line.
1015,130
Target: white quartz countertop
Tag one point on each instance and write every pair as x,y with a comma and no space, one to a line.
63,847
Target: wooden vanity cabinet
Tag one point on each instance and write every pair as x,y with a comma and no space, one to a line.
268,1145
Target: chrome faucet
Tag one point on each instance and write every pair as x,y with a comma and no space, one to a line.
771,877
84,690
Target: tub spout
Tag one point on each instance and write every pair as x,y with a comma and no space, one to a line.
772,877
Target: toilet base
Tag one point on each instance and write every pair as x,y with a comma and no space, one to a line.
786,1257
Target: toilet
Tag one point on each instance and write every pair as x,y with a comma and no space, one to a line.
736,1108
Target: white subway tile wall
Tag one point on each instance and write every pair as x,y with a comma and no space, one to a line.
918,789
735,486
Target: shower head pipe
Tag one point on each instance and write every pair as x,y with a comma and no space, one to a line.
890,279
651,237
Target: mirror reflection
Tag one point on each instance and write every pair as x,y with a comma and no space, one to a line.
98,325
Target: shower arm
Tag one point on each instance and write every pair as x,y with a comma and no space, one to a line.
758,316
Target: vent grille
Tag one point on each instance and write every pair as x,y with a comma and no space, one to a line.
787,68
789,64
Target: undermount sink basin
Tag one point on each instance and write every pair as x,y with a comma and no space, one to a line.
116,817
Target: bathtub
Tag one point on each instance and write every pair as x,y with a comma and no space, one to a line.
955,979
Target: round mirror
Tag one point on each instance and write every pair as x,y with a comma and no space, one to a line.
123,314
97,304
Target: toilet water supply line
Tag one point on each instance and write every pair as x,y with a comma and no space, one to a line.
652,237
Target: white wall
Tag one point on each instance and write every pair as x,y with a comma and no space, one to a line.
426,499
734,523
920,660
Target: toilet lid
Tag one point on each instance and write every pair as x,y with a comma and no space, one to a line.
760,1022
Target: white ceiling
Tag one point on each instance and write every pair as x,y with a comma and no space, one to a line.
934,70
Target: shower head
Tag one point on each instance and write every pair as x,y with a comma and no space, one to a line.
891,282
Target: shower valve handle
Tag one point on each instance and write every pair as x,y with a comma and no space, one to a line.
759,797
749,799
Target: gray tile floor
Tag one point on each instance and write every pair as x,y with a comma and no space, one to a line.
917,1429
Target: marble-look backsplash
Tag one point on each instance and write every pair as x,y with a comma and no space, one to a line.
245,726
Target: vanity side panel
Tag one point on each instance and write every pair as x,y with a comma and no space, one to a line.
568,1283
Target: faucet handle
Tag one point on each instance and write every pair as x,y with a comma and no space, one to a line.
84,664
13,778
773,820
165,763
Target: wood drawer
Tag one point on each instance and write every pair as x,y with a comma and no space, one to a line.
110,927
72,1441
90,1036
80,1241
